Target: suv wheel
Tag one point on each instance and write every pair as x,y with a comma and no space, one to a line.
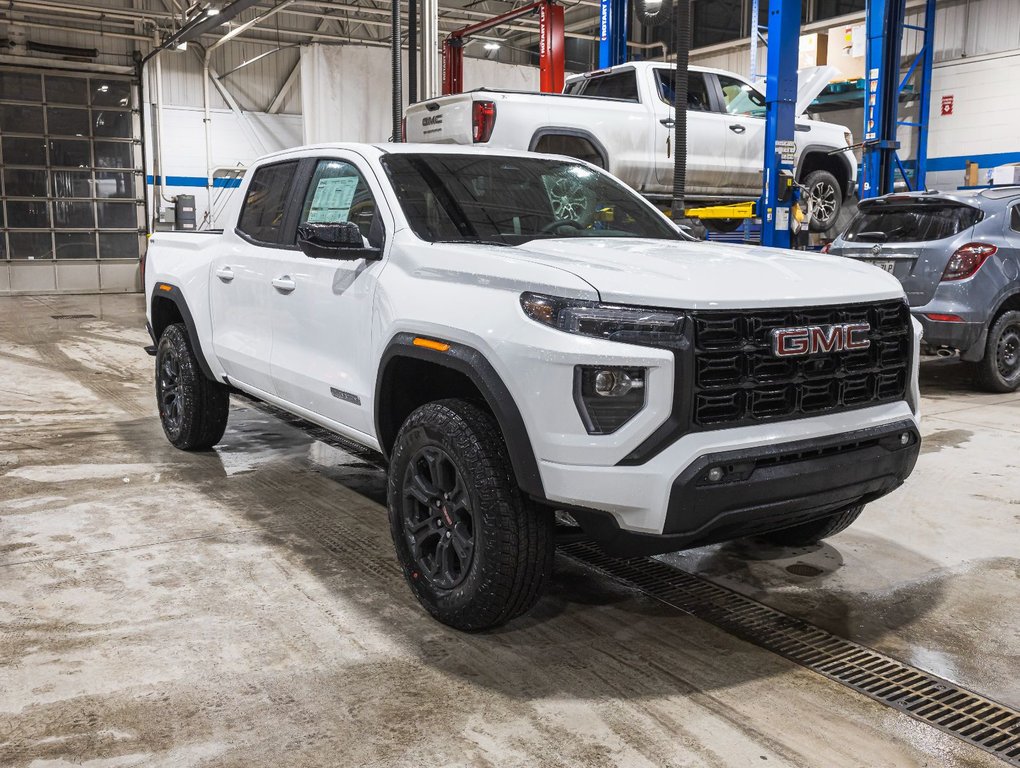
826,197
475,551
999,371
814,531
192,409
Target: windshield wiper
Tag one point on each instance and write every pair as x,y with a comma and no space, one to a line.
476,241
873,236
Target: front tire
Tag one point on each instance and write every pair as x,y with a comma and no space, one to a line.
192,409
814,531
827,198
475,551
999,370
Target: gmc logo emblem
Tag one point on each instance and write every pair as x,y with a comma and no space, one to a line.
432,120
811,339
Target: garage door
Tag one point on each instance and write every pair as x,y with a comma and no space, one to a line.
72,211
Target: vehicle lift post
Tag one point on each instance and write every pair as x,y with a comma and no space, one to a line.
612,33
781,105
885,22
551,46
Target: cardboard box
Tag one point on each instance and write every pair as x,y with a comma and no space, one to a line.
1006,174
845,50
814,50
970,174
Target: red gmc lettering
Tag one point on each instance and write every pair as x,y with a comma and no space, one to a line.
828,339
792,341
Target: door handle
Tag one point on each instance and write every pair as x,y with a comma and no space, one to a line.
669,122
738,128
284,284
226,274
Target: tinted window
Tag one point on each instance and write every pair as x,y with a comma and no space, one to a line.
509,201
338,193
697,92
739,98
1014,218
911,224
619,85
266,202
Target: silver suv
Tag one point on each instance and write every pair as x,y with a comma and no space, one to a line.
958,257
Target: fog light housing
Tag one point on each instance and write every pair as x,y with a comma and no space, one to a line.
607,397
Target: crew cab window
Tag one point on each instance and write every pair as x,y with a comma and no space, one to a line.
513,200
697,92
1014,218
265,202
338,193
618,85
739,98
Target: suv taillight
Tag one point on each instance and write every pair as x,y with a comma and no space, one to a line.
483,119
403,129
967,260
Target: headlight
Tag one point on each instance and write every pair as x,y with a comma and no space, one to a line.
630,325
849,138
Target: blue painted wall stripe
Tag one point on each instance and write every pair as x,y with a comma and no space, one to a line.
194,181
959,162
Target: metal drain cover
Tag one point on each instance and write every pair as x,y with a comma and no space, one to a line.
73,317
940,703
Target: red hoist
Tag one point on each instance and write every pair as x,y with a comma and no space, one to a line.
551,53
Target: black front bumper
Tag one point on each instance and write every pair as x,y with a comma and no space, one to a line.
768,488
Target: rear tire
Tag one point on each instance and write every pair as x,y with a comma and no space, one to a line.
999,370
192,409
475,551
814,531
827,195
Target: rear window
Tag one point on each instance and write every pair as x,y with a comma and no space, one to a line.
619,85
911,223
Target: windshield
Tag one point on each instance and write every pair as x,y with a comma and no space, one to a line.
512,200
911,223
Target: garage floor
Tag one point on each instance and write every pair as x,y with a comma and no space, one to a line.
244,608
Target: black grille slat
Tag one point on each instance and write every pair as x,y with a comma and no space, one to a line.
738,380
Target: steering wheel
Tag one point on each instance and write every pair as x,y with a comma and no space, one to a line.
554,226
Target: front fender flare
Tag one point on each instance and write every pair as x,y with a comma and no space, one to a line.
474,365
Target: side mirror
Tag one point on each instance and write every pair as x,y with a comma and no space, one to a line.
335,241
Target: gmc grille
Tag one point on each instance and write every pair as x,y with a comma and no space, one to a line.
738,380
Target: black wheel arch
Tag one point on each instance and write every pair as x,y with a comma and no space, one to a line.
168,307
816,157
571,133
464,367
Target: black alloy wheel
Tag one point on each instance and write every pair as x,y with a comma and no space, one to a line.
168,386
439,522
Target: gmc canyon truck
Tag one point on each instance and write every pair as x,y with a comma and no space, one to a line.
622,119
521,335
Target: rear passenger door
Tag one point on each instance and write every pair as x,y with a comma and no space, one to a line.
239,280
322,308
743,125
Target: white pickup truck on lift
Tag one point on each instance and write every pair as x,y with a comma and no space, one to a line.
622,119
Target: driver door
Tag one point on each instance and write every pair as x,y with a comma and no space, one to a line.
322,308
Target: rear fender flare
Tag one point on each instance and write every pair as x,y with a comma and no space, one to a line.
175,295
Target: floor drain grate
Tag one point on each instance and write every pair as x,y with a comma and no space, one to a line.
73,317
993,727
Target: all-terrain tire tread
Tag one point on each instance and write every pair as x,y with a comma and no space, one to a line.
208,401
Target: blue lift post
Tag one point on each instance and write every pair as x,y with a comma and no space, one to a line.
780,117
880,162
612,33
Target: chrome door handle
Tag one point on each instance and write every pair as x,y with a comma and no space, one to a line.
226,274
669,122
284,284
738,128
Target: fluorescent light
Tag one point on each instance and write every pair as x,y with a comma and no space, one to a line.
492,46
212,11
183,46
104,88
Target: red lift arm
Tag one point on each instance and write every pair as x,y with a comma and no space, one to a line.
551,46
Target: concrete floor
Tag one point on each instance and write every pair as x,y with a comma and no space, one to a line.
243,607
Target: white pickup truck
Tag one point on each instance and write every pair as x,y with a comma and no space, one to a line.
512,357
622,119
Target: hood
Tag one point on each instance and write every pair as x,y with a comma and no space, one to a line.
811,81
699,275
